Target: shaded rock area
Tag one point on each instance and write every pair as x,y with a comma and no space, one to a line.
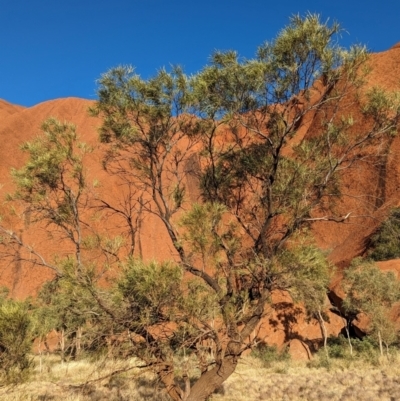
286,324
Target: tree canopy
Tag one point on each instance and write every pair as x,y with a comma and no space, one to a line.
372,292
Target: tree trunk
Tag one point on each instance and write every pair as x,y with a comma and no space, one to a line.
78,342
62,345
346,327
40,355
168,379
348,337
212,379
324,332
380,342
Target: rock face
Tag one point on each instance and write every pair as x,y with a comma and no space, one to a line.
6,109
25,279
372,187
344,240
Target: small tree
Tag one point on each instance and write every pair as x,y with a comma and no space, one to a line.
52,185
16,338
64,304
53,189
373,292
310,275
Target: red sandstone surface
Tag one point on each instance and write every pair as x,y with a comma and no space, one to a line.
6,109
344,241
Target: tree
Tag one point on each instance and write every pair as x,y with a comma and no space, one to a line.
66,305
236,128
52,186
53,189
233,131
373,292
310,282
16,337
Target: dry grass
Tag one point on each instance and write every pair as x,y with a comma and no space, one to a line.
86,381
297,381
283,381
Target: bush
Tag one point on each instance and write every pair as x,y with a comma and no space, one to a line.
385,243
268,354
338,347
365,349
15,341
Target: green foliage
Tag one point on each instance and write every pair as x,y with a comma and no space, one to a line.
302,53
367,287
385,243
16,338
150,102
66,304
365,349
206,233
153,293
381,106
52,156
52,184
309,275
321,360
269,354
151,290
373,292
338,347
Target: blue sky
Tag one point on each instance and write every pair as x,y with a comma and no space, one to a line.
52,49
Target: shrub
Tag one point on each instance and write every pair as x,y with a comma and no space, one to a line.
15,341
365,349
385,243
338,347
268,354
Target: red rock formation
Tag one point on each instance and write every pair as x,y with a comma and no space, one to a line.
6,109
